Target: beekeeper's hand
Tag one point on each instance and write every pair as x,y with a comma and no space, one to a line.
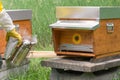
13,33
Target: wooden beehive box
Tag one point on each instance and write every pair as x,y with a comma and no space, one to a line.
87,31
22,19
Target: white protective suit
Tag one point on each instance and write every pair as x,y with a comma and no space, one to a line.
6,21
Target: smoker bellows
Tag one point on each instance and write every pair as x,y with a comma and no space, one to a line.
87,31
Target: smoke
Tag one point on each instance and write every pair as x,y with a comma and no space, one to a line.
25,34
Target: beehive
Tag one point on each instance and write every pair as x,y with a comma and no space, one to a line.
21,18
87,31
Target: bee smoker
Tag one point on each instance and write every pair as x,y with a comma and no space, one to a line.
16,55
10,48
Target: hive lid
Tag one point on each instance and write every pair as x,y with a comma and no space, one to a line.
87,12
20,14
77,12
73,24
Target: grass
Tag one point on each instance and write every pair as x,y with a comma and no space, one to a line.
44,15
35,72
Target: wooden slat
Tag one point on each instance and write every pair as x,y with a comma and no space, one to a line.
56,39
76,54
39,54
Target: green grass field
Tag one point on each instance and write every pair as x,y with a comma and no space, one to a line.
35,72
43,16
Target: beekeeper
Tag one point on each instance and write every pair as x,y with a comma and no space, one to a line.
7,24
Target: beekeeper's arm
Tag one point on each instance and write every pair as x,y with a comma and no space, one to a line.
6,22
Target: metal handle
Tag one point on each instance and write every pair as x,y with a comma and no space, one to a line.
110,27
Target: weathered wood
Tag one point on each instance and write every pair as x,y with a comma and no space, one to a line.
60,74
80,65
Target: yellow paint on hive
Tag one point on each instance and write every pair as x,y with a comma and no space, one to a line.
76,38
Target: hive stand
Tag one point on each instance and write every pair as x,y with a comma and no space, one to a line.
91,32
73,69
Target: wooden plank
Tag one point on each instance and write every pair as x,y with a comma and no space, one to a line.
76,54
80,65
39,54
56,39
